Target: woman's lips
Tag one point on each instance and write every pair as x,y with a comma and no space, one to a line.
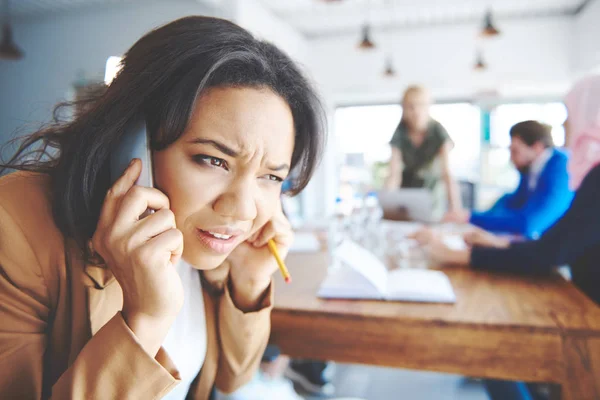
218,245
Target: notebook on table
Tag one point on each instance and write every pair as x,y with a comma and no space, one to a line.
361,275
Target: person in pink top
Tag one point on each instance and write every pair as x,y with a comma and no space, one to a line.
583,128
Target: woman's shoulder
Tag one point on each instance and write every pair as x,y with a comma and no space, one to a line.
436,128
399,136
25,192
31,246
25,199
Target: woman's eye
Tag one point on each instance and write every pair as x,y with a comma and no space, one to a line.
216,162
274,178
212,161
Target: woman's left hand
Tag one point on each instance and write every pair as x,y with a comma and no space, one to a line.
252,263
479,237
439,252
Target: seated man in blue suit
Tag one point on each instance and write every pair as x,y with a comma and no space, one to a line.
543,194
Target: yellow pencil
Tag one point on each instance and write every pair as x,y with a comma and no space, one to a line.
282,267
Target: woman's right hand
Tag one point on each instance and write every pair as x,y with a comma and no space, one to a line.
141,253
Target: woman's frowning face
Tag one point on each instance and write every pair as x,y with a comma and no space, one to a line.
223,175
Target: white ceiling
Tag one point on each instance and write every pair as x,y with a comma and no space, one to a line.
320,17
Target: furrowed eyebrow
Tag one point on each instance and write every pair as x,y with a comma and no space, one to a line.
282,167
218,145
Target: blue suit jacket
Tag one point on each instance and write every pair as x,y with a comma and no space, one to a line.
531,213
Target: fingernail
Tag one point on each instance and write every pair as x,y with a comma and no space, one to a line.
131,162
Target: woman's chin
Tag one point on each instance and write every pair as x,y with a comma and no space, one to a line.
202,260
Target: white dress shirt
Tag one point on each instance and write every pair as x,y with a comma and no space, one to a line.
537,166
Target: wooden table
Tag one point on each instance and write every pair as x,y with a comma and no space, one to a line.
535,329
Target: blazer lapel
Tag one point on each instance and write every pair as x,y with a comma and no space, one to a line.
105,297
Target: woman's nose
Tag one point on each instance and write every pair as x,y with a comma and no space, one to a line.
237,202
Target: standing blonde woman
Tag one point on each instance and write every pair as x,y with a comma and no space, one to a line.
420,153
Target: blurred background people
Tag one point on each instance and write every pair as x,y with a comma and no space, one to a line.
573,240
543,193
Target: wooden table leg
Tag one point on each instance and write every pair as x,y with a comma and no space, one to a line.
582,368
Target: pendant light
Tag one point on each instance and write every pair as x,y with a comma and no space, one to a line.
480,63
366,43
389,71
489,29
8,48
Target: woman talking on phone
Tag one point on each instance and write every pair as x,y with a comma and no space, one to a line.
96,302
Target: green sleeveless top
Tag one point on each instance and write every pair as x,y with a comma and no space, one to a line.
421,165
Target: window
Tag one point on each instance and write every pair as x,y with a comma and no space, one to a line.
367,130
113,65
363,134
463,123
506,115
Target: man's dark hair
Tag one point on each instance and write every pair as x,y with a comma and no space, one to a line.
532,132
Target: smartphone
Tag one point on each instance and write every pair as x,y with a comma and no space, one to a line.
135,143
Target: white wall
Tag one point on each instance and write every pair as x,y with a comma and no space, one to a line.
58,46
531,56
264,24
586,49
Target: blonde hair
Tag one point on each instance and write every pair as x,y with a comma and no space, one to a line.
416,90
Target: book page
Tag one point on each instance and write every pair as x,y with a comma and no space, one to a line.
364,262
347,283
420,285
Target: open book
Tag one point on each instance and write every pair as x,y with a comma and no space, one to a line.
361,275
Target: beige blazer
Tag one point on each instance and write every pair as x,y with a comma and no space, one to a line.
62,335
